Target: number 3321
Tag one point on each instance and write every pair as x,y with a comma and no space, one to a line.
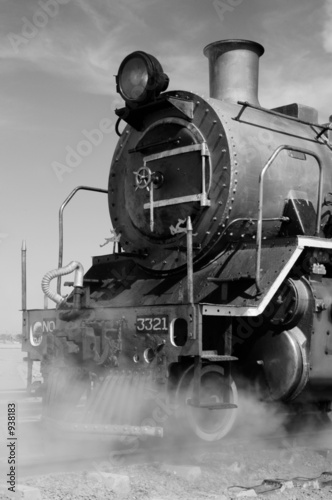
146,324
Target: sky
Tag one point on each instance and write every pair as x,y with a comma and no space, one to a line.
58,59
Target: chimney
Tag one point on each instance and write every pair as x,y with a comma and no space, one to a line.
234,70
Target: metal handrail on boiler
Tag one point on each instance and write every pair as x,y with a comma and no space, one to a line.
64,204
260,203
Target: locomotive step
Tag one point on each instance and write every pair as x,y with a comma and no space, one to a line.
212,406
213,356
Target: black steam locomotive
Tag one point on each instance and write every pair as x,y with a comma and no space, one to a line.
221,271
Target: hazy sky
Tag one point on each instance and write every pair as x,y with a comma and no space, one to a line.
58,59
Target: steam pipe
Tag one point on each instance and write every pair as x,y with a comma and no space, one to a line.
234,66
78,280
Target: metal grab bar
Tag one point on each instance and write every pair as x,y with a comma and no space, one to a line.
64,204
260,202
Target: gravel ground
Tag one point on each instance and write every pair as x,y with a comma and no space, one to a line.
202,475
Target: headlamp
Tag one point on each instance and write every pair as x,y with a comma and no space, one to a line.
140,78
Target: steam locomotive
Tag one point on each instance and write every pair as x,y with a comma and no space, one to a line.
221,270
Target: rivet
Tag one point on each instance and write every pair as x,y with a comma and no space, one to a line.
206,111
220,135
214,122
214,218
224,168
235,163
219,202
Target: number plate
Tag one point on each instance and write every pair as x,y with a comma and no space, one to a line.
152,324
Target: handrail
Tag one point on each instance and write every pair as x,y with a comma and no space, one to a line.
24,274
190,279
246,104
64,204
260,202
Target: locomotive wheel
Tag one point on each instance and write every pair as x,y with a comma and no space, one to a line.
207,424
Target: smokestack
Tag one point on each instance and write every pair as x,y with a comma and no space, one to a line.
234,70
